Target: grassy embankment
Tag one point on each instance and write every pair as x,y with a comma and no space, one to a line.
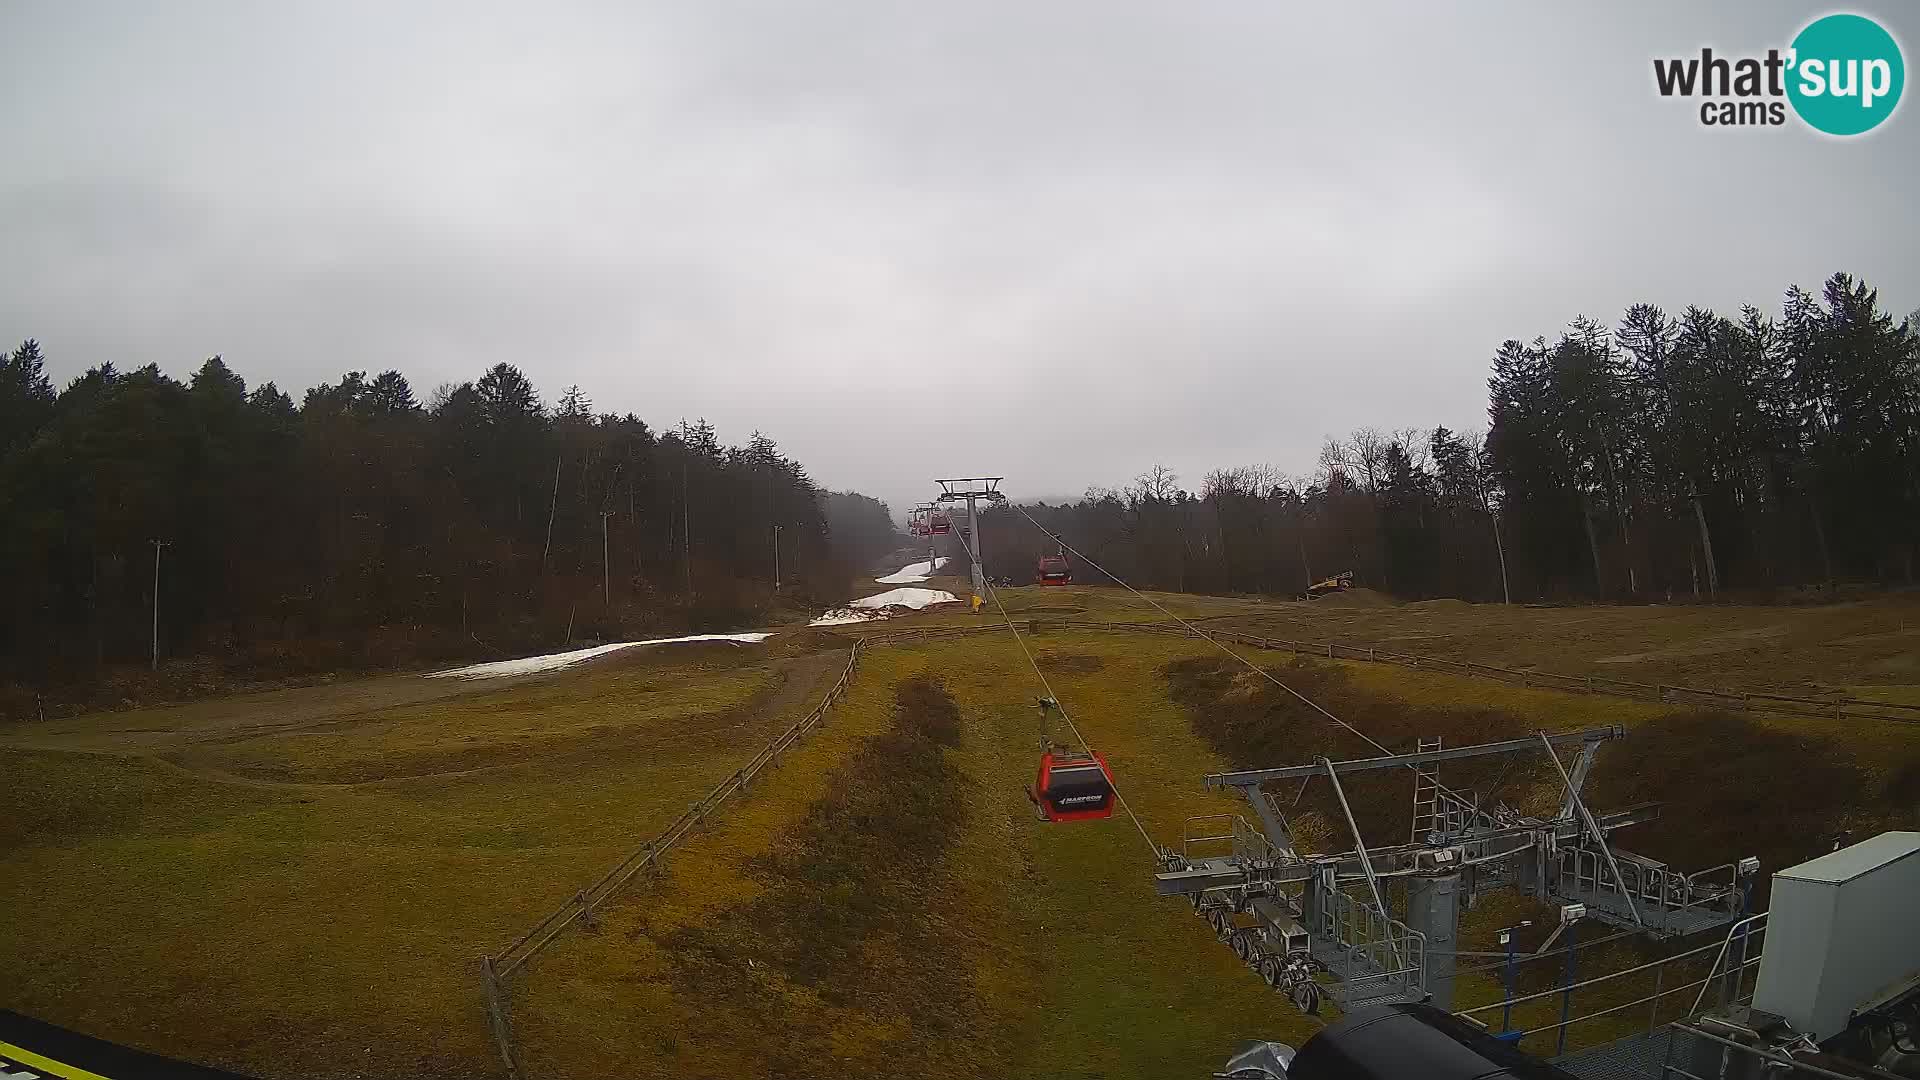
310,900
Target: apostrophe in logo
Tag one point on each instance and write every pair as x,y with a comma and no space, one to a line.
1842,75
1847,74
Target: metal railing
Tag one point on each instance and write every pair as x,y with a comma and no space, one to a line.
497,968
1664,895
1743,938
1734,957
1727,1054
1373,946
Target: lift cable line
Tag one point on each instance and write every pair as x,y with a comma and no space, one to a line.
1250,665
994,595
1215,642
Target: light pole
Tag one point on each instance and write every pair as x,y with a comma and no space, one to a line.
606,570
157,545
1506,938
776,558
1570,916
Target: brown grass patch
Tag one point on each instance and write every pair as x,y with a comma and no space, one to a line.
1069,663
1732,787
833,967
807,640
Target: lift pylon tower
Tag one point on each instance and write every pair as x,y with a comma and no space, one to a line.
1313,924
971,490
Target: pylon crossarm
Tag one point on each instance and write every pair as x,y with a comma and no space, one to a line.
1392,761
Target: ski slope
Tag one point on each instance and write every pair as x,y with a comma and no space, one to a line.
913,572
880,605
529,665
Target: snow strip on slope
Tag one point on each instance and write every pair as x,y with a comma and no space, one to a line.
875,607
913,572
528,665
913,598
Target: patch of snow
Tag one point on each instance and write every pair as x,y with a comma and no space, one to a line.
880,605
528,665
912,598
844,616
913,572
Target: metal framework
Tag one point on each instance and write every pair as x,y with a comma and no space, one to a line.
972,490
1323,923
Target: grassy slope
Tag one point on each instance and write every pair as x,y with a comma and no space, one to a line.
1076,968
328,930
324,900
1871,648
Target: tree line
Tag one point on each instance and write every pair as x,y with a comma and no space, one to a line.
1668,457
363,525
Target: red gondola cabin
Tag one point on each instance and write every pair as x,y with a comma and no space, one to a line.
1053,570
939,524
1073,785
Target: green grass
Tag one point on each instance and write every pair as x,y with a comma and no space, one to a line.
1074,967
321,931
298,889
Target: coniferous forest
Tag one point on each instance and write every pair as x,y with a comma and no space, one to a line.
364,526
1663,457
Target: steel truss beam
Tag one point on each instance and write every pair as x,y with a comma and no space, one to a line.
1252,777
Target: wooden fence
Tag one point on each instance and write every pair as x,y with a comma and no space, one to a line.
497,968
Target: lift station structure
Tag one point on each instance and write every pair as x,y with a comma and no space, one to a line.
1322,923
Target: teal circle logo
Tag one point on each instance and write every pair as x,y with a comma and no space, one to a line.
1845,74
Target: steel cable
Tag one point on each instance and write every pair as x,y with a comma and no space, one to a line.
994,595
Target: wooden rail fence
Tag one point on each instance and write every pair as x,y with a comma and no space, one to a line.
497,968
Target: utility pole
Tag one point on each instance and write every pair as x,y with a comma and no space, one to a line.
1706,543
553,504
1500,548
157,545
686,527
1480,488
606,565
776,558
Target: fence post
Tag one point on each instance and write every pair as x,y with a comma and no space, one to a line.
497,1019
1329,650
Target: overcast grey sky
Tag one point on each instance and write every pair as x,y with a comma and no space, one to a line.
1058,241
